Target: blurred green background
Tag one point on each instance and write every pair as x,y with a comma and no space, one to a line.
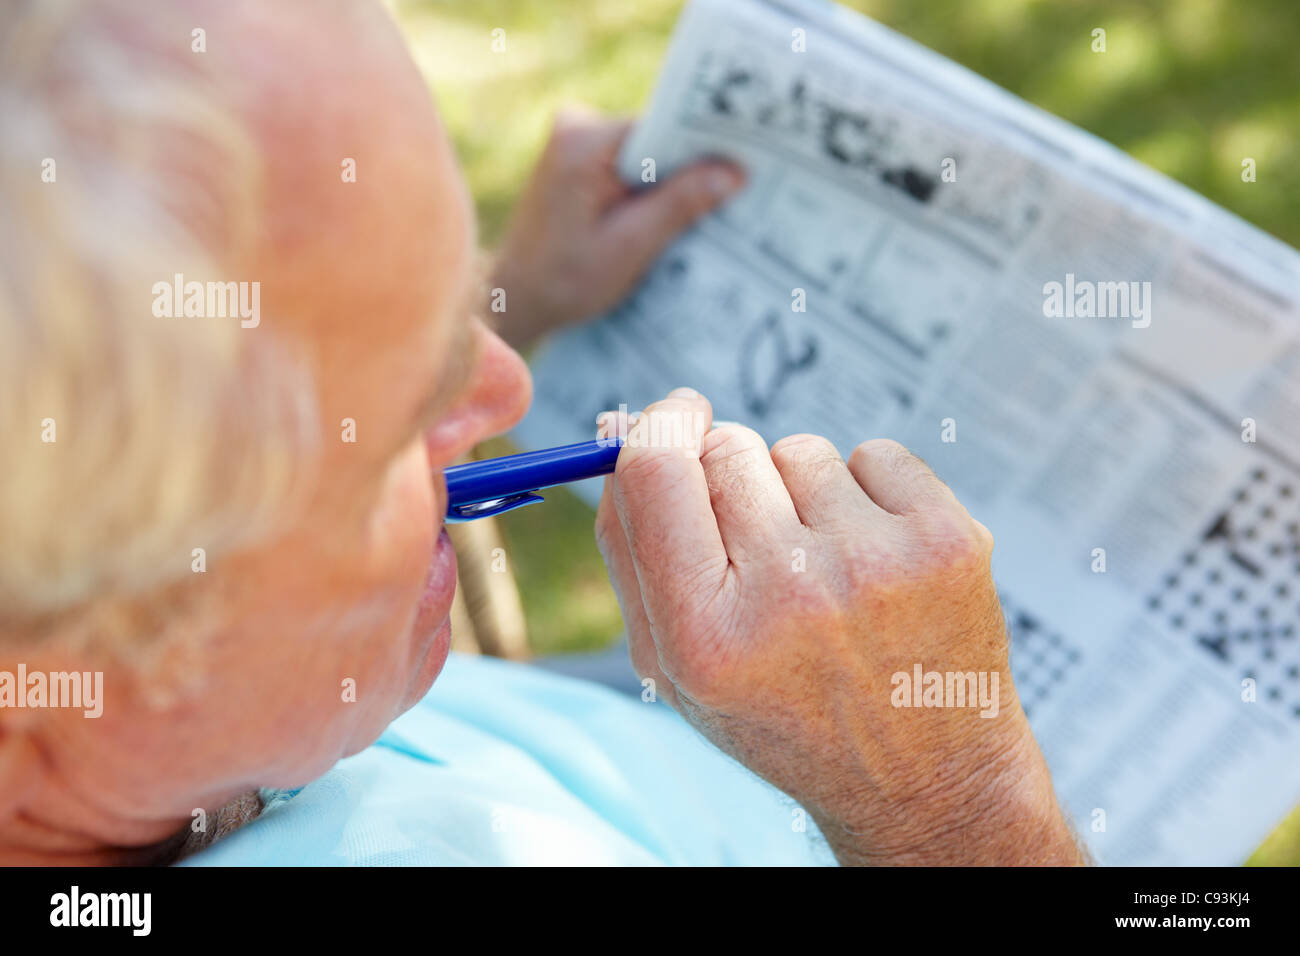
1189,87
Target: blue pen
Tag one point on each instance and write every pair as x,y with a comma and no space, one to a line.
479,489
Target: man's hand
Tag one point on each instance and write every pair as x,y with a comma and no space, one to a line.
773,595
580,239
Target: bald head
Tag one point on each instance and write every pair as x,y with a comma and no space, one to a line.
291,146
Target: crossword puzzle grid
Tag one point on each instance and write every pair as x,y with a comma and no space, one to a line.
1041,658
1235,592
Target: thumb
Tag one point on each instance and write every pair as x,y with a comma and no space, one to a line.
644,224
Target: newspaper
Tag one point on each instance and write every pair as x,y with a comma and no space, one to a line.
1103,365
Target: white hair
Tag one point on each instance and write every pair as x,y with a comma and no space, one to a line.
169,434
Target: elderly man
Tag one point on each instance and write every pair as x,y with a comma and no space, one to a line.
235,515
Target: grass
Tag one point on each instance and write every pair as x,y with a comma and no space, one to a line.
1189,87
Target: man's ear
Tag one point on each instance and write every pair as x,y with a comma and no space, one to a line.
20,766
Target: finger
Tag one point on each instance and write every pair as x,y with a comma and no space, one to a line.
582,135
612,545
580,158
642,225
897,480
755,515
823,491
662,500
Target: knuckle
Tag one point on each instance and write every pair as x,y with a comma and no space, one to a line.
794,448
950,543
805,452
924,487
730,439
729,451
882,451
806,460
567,146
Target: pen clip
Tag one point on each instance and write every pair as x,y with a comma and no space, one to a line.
494,506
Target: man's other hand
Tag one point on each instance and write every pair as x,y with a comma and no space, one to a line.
580,238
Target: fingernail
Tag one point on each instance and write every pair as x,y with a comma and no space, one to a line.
683,392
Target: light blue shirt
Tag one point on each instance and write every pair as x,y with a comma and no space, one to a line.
503,763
